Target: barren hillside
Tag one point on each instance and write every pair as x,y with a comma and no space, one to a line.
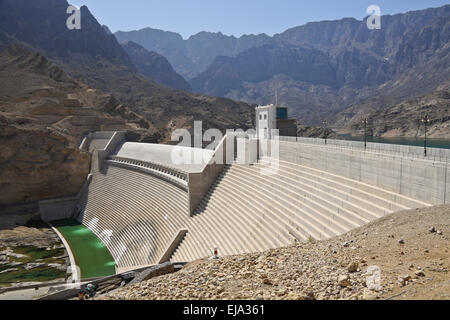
411,248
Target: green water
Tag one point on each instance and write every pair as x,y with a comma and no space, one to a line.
91,255
40,274
32,254
431,143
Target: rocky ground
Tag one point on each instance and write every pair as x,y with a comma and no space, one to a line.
33,233
31,254
410,250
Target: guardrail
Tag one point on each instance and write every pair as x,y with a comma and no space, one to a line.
415,152
154,166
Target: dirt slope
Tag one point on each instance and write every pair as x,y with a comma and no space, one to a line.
401,245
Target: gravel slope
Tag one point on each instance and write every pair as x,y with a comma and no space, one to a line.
403,245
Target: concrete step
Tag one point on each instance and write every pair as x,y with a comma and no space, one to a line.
299,191
293,214
382,193
354,199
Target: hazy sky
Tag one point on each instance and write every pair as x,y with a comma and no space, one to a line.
236,17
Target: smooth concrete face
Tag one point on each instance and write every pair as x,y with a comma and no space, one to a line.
58,209
421,179
182,158
247,151
200,182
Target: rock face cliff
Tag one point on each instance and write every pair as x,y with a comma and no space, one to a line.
323,67
44,113
38,163
155,67
192,56
95,57
402,119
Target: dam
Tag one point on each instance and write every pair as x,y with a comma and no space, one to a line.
148,210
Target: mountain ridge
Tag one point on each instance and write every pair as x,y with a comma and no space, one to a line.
60,84
408,58
404,60
44,114
85,54
155,66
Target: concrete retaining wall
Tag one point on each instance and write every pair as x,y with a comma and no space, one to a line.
57,209
116,139
247,150
200,182
63,208
100,135
421,179
239,147
173,246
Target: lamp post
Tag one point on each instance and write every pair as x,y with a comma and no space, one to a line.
425,120
366,121
325,122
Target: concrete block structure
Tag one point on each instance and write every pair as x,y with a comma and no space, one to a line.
147,208
272,117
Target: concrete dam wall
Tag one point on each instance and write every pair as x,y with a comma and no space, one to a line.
147,210
401,169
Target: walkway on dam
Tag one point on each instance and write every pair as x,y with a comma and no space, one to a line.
166,155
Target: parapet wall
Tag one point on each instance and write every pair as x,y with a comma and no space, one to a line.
420,178
403,150
233,147
200,182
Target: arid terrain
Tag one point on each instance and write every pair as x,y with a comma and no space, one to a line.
31,254
410,248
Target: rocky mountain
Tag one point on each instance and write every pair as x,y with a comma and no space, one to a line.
96,58
59,84
318,69
402,119
324,67
44,113
260,64
192,56
42,24
315,132
155,67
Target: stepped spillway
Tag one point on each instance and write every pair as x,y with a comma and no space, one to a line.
248,211
134,213
137,214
